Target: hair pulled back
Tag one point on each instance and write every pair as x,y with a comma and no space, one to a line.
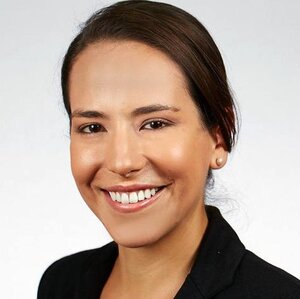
179,35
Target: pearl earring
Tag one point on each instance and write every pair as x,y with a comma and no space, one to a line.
219,161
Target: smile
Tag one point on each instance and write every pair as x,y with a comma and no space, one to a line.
133,197
126,202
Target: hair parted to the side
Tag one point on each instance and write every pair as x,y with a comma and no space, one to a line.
179,35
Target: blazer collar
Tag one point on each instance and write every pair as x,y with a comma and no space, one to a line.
218,257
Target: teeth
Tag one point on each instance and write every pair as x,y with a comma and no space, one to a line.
125,198
132,197
118,197
141,195
113,196
147,193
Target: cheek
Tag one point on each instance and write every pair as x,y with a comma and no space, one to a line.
85,161
182,155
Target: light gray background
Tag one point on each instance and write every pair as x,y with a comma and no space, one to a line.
42,216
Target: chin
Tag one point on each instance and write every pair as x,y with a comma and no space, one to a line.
135,240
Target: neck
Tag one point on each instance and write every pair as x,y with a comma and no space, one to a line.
167,261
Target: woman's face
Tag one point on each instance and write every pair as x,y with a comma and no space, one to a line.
114,141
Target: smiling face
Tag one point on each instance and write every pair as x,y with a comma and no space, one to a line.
116,142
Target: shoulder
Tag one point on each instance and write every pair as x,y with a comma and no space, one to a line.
224,268
263,280
72,264
64,275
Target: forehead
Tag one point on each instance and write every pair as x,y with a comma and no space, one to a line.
126,63
116,71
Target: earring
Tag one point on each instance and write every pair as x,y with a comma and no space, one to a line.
219,161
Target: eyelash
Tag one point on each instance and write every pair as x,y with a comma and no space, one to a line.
99,127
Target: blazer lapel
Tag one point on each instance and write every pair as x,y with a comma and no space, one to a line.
218,257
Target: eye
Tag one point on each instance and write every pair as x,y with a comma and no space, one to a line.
156,124
90,129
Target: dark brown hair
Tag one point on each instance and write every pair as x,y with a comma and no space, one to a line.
179,35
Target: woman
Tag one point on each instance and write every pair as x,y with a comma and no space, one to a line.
151,115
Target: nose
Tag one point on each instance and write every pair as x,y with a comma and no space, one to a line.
123,154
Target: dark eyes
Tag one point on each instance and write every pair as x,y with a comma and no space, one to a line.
156,124
91,129
96,128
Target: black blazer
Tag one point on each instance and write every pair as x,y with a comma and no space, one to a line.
223,269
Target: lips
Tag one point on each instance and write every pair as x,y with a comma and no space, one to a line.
133,207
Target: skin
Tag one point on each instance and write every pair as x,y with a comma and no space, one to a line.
116,78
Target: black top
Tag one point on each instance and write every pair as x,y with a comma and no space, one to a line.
223,269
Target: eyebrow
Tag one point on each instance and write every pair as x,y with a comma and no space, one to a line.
136,112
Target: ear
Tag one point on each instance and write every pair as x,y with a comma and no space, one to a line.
220,154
